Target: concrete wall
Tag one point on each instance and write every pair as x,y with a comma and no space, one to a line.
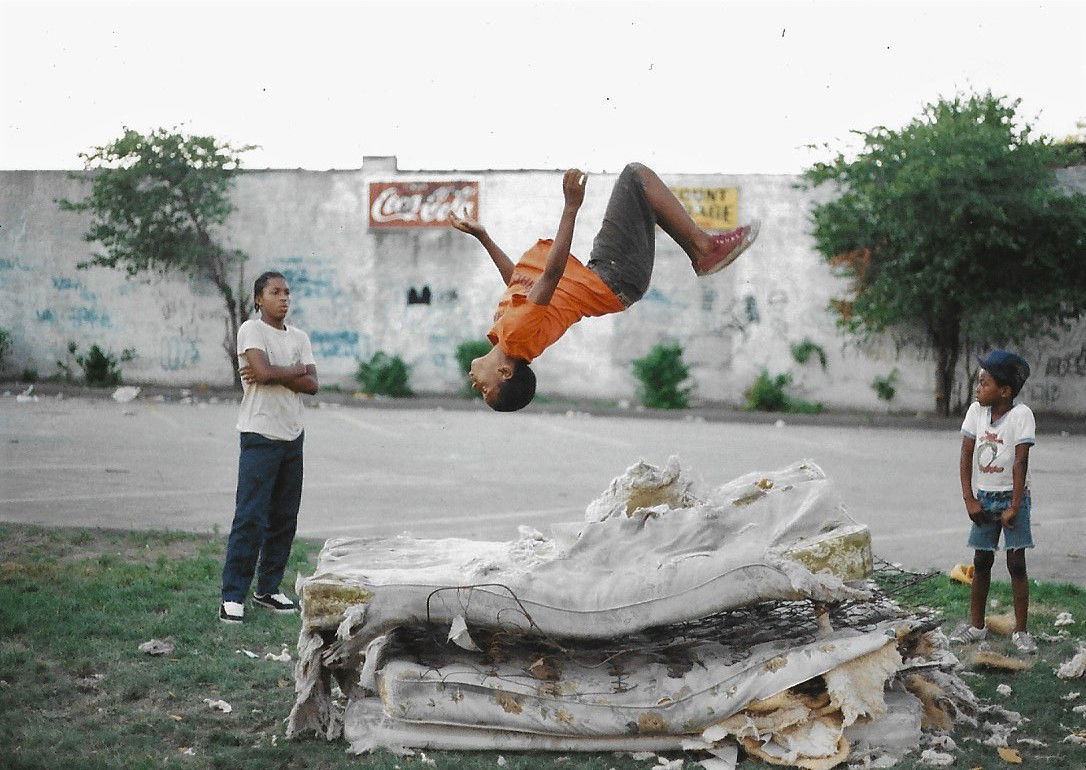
351,287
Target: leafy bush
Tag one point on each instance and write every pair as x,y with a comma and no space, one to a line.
100,367
466,352
885,387
767,394
802,351
661,373
30,375
384,375
5,345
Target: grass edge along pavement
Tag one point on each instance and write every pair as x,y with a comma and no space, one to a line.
75,604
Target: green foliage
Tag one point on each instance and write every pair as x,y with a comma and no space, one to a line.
155,203
768,394
384,375
65,366
29,375
466,352
954,225
802,351
885,387
5,345
661,374
100,367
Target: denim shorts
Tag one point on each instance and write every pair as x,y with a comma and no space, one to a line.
624,250
985,536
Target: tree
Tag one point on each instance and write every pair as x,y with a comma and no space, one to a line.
156,202
954,227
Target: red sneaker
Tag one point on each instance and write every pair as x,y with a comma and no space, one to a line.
726,247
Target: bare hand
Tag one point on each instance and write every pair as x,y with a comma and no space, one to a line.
974,510
1007,518
467,225
573,184
247,375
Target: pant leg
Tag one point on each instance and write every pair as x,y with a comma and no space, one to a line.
258,468
282,519
624,250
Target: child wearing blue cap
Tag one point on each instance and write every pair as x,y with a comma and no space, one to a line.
996,436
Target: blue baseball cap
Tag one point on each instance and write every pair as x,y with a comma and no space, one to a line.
1008,368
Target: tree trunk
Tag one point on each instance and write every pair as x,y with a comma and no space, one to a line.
946,341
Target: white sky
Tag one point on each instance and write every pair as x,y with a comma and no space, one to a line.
684,86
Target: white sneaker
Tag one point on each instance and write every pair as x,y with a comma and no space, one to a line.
967,633
232,612
278,602
1024,642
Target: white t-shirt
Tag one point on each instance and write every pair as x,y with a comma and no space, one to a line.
993,453
273,411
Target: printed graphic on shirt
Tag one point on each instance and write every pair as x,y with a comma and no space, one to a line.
987,452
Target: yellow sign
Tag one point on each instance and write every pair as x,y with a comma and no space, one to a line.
711,208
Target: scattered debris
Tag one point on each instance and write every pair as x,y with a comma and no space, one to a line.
963,573
992,659
1004,690
282,657
501,761
663,763
1075,667
1010,756
1000,624
219,705
936,758
1077,738
1032,742
158,646
1064,619
247,653
1070,696
27,396
125,393
1079,709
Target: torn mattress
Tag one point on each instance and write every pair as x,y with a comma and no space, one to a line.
651,551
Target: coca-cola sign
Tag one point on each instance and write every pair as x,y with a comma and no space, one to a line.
421,204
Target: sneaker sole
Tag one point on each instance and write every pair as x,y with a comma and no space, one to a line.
275,609
748,239
231,620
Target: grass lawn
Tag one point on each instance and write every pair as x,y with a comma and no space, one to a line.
75,692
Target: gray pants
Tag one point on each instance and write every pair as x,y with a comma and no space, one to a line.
624,250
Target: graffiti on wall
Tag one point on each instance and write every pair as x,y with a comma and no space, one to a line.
1067,365
421,204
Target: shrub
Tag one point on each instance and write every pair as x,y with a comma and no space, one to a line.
384,375
100,367
802,351
661,373
466,352
5,345
886,387
30,375
767,394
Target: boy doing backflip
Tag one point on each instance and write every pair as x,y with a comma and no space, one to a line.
996,436
549,289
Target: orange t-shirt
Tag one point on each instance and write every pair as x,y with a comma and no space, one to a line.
524,329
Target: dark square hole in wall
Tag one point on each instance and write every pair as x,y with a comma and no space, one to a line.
416,297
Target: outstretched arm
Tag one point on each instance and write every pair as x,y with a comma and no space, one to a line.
300,378
472,227
573,184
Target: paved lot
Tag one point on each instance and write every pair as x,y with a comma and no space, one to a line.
473,473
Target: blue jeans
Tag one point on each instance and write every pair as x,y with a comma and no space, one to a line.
265,515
